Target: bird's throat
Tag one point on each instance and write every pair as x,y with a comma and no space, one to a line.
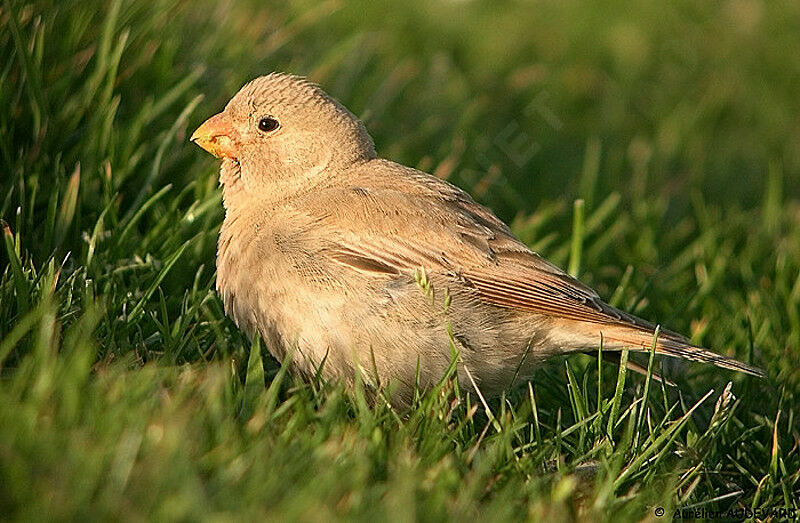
230,178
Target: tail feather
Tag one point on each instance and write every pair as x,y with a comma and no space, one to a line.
670,344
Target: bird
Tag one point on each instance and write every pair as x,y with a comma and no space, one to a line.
350,266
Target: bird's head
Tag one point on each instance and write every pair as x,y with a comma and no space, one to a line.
282,127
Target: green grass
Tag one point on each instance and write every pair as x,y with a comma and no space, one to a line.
125,392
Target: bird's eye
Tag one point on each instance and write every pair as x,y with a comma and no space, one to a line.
268,124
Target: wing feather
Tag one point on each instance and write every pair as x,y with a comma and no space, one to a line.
457,237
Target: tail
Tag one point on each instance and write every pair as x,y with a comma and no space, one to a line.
639,338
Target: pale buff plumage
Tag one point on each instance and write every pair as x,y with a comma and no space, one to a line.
324,246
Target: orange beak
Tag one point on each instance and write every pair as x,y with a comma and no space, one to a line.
218,137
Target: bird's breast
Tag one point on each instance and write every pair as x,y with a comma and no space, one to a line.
272,283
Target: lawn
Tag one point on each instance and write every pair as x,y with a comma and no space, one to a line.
653,148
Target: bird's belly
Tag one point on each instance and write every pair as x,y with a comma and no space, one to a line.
387,331
288,315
